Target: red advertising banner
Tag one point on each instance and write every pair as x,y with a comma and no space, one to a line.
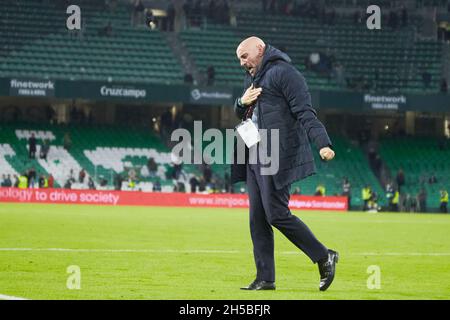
135,198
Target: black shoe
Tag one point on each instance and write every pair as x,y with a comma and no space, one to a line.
260,285
327,269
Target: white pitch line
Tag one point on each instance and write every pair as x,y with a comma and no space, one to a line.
215,251
5,297
438,254
122,250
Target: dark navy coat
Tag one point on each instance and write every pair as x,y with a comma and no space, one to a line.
284,104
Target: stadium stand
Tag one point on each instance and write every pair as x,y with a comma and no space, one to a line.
107,151
350,162
369,60
102,152
42,48
420,158
378,61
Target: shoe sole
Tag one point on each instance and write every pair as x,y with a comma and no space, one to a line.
336,259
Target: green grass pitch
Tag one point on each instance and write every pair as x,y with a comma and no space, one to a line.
190,253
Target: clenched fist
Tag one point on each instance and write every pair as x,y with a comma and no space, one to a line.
250,95
326,154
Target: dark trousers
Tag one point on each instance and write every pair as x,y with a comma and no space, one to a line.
269,207
443,207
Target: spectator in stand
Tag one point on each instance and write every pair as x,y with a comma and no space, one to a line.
152,167
212,186
118,179
394,200
188,79
81,176
132,174
297,191
16,181
71,175
389,191
444,85
447,33
422,200
339,74
31,177
41,181
194,184
227,182
443,200
357,17
68,184
412,204
45,147
22,181
181,187
51,181
400,178
233,16
170,19
373,202
177,170
166,125
157,186
7,182
432,179
188,8
32,147
320,190
404,15
211,74
346,190
207,173
202,185
366,195
150,20
138,13
91,184
441,31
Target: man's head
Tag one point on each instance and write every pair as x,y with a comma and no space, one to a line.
250,53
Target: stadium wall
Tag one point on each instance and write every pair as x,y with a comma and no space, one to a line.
135,198
223,95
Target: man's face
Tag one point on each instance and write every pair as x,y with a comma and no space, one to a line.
250,57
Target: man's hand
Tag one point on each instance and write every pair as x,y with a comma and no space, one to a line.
250,95
326,154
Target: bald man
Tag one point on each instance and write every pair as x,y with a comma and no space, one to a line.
276,97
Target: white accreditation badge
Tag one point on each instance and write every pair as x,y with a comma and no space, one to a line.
248,132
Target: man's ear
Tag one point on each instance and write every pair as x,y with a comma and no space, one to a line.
260,50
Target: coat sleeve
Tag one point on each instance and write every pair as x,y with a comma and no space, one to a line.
293,86
238,110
